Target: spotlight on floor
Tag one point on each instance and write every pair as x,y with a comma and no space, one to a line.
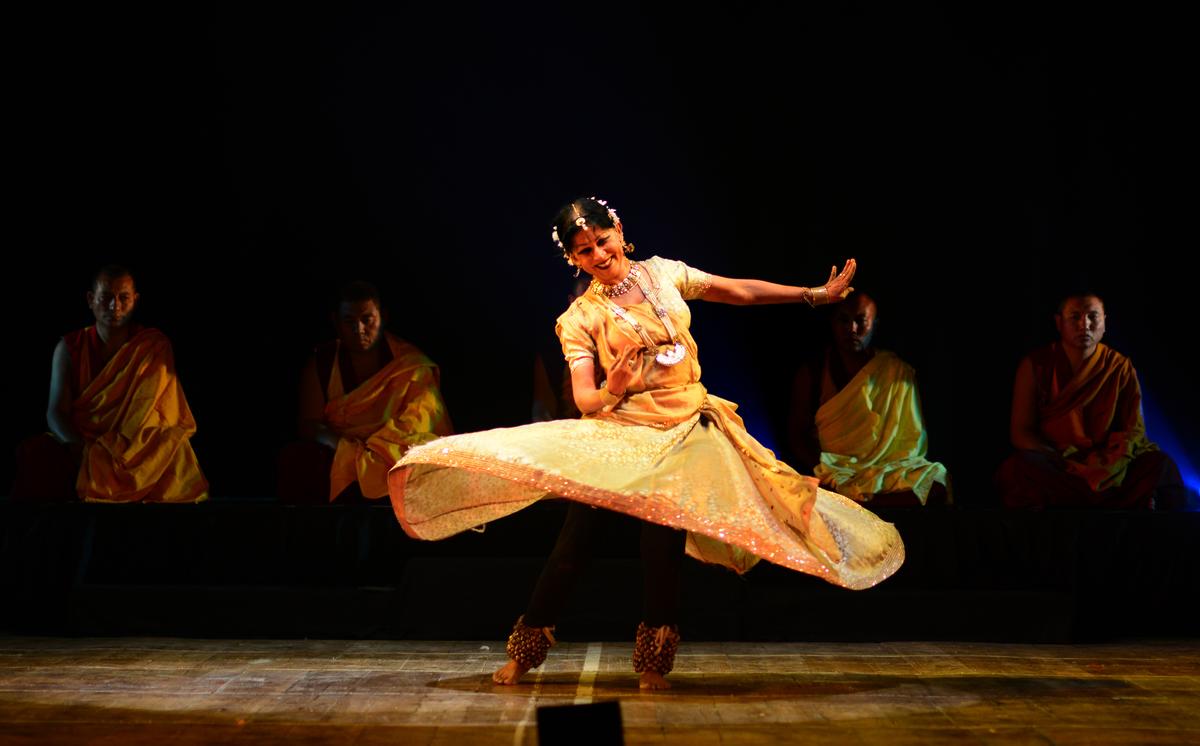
595,724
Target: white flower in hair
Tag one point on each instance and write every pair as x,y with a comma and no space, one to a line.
581,221
554,236
604,203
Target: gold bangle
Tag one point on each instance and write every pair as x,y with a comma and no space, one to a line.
820,296
608,397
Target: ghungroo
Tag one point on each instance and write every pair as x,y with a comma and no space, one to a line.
655,648
529,645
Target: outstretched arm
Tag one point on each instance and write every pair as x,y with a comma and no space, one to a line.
759,292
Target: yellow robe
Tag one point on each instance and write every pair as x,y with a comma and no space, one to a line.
872,435
393,410
669,453
1094,417
135,424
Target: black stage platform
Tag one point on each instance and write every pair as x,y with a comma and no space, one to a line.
254,568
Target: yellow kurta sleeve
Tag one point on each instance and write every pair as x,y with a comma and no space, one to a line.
578,345
691,283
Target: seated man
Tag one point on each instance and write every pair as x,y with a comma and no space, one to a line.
365,398
119,422
1077,424
856,415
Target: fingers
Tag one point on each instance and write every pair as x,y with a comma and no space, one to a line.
636,362
832,274
844,278
625,359
624,369
627,355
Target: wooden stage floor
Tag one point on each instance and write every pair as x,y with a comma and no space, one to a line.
189,691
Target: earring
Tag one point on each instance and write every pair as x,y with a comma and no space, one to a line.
627,248
577,271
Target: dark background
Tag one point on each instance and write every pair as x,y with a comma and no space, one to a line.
245,161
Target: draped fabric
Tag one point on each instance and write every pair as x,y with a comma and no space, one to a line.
379,420
135,422
872,434
1093,415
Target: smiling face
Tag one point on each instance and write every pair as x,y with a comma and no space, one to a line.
600,252
1080,323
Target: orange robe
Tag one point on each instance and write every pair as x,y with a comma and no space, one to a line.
378,421
135,422
872,434
1094,416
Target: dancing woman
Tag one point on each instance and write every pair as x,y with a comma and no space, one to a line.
653,443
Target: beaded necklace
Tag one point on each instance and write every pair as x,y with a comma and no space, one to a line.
668,354
622,287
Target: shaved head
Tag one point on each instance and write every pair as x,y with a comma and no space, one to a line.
111,272
853,322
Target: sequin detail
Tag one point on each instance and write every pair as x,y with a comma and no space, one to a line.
689,476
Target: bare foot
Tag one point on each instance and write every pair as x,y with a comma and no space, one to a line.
510,674
653,680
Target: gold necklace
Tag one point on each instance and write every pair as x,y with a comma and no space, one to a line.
622,287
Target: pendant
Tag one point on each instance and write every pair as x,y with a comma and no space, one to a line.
670,354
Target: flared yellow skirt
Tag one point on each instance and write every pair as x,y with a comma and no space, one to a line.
705,475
